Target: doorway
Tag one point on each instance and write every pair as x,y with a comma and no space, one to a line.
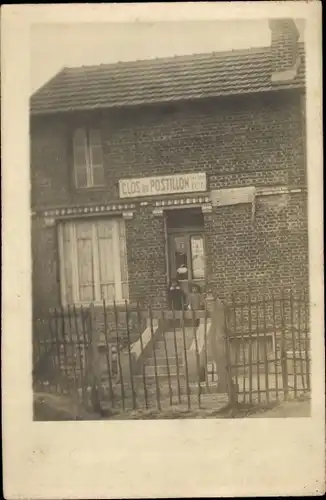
186,247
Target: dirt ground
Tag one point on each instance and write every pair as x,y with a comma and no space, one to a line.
291,409
50,407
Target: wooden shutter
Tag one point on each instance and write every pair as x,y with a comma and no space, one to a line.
80,158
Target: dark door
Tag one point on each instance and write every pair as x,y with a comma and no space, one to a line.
187,258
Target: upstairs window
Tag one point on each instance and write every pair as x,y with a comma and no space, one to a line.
88,158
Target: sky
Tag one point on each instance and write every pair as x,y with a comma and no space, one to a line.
54,46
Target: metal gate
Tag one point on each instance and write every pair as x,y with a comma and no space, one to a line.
268,347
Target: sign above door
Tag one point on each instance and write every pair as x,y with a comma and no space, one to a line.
167,184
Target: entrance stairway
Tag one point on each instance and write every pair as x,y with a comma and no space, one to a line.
169,354
162,381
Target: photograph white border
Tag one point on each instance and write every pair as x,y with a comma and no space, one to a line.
179,458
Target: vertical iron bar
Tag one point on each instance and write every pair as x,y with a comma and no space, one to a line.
197,355
64,348
185,355
118,354
107,346
134,402
258,349
293,345
176,354
300,344
158,400
243,352
166,356
48,355
283,349
58,348
86,345
48,351
236,348
307,339
55,352
52,354
205,345
266,364
275,348
139,317
65,356
72,352
232,390
250,347
78,343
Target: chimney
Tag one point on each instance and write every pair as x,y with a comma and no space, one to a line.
284,48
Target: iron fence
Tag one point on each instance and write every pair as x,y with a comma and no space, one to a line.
126,357
269,347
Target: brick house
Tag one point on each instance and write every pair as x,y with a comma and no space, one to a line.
140,168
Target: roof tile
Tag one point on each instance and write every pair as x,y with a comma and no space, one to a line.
159,80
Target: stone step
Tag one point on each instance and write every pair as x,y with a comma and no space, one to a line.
162,370
178,336
161,357
170,347
176,323
162,361
163,378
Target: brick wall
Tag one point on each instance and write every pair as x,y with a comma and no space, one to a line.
264,254
45,267
236,140
146,257
242,141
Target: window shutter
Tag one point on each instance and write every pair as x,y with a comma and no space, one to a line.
85,261
123,260
93,261
80,158
106,260
96,157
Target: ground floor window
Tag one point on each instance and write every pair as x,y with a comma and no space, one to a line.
93,261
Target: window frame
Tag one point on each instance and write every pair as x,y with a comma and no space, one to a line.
95,262
89,166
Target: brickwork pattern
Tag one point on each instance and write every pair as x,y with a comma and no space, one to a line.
236,141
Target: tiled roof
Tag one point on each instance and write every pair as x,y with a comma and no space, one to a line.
160,80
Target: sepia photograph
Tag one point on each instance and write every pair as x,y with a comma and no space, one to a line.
162,247
170,274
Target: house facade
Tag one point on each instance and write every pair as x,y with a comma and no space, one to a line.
190,167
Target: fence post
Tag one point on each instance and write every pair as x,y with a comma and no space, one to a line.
176,354
130,360
283,349
108,362
220,349
139,318
166,356
307,334
120,371
230,389
158,400
94,362
79,355
266,363
250,348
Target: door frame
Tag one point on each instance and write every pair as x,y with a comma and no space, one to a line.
187,232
